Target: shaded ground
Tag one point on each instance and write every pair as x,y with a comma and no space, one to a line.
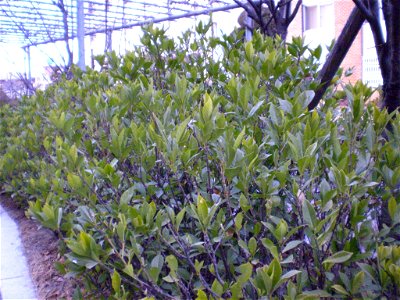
40,246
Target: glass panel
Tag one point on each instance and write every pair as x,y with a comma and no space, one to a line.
327,19
311,17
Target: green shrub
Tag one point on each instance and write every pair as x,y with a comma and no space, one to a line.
194,170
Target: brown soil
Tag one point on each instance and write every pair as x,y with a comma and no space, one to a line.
40,245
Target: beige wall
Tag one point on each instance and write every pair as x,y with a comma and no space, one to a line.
296,27
353,58
342,10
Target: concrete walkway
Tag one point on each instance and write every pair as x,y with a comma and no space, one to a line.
15,281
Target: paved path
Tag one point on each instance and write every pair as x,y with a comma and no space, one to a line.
15,281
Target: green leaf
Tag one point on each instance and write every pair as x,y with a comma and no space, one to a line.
255,108
310,151
127,195
392,207
157,262
370,137
291,290
236,290
249,50
239,139
371,272
263,281
338,258
285,277
170,278
252,246
286,106
202,209
154,273
73,153
181,129
129,270
116,281
315,293
207,109
267,243
198,265
121,227
217,287
74,181
275,271
317,52
340,289
88,263
179,218
280,230
244,203
290,274
238,221
201,295
242,244
309,214
172,263
85,246
291,245
246,271
357,282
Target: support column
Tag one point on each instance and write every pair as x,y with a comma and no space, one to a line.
249,28
81,34
28,55
27,77
108,33
108,45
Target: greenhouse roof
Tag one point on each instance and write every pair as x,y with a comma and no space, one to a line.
34,22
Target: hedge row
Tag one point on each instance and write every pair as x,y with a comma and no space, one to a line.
194,170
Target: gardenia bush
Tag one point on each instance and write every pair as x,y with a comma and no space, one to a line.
192,169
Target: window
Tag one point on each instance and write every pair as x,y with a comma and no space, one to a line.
310,17
318,16
318,24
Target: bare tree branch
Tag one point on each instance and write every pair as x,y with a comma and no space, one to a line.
251,11
361,6
294,13
339,51
64,11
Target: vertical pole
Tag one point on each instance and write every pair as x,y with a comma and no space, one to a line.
28,53
108,40
81,34
28,73
249,28
108,33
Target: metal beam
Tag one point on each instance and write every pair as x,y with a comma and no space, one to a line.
146,22
80,16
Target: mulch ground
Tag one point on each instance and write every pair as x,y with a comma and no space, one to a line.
40,245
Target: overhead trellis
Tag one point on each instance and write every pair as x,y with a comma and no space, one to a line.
34,22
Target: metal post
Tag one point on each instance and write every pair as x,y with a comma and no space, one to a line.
249,28
81,34
108,35
108,46
28,53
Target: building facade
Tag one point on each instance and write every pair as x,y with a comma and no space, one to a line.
321,21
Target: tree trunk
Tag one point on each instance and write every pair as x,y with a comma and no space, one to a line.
388,52
339,51
272,19
391,99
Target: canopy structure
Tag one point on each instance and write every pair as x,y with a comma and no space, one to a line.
34,22
30,23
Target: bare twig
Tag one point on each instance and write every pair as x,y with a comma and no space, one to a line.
64,11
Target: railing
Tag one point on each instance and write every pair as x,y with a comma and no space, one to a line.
371,72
